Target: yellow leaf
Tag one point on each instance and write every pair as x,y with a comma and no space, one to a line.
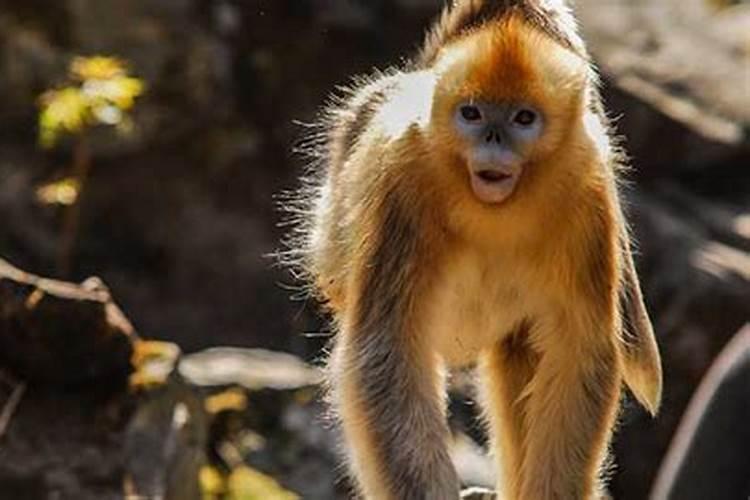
62,192
97,68
63,110
101,94
231,399
248,484
125,90
120,91
212,482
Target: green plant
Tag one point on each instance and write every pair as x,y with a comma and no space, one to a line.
99,92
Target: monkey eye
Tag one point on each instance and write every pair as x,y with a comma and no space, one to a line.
470,113
524,117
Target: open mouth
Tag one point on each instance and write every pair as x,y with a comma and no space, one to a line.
493,185
492,176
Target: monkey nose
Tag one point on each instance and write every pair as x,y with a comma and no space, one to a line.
492,136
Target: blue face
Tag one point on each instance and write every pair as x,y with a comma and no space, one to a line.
498,136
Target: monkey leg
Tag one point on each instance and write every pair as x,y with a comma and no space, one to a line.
390,398
571,405
505,372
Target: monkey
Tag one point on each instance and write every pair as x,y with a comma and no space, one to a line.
464,210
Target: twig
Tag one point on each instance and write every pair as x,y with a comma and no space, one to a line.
10,407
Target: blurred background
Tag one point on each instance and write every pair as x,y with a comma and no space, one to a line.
144,142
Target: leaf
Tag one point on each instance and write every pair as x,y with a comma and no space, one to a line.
102,94
62,192
231,399
245,483
120,92
97,68
63,110
212,483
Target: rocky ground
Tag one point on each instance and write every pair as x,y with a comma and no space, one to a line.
178,217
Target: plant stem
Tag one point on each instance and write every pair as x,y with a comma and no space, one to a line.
71,221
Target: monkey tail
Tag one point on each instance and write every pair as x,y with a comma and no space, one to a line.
643,374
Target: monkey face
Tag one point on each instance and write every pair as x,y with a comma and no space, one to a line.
497,137
507,98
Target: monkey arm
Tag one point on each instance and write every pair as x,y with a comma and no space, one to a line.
393,421
387,385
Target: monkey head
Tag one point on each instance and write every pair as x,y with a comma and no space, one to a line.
506,99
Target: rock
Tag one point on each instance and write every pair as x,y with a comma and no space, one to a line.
694,259
61,445
680,75
99,441
253,369
711,440
165,444
76,351
279,429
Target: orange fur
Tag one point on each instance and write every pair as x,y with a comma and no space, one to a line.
419,272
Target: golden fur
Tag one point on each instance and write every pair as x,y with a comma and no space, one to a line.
419,274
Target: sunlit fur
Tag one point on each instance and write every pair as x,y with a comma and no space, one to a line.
419,274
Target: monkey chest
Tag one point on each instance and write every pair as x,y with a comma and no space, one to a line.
473,304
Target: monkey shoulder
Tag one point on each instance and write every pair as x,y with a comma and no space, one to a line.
351,112
385,107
